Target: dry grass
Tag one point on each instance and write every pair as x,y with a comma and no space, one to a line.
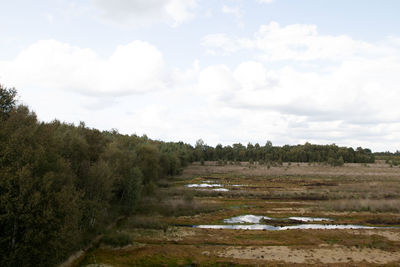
297,169
372,205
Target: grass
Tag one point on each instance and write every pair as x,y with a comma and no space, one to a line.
371,205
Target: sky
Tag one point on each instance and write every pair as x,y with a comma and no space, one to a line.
225,71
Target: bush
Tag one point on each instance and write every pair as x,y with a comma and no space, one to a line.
149,189
117,239
336,162
146,222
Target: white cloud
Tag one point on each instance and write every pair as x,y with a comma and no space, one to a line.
251,76
215,82
133,68
139,12
235,11
265,1
296,42
219,40
348,94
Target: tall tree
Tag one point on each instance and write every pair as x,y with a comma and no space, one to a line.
7,101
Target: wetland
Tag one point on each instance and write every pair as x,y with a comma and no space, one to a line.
289,215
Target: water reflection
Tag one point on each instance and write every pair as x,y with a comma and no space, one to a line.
254,223
221,189
203,185
246,219
309,219
291,227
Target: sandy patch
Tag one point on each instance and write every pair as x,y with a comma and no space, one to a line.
328,255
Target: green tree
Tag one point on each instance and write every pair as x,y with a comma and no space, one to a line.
132,190
7,101
39,209
148,162
97,194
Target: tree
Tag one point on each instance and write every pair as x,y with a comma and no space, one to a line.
148,162
97,193
132,190
39,210
7,101
199,150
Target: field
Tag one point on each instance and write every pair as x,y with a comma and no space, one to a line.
161,233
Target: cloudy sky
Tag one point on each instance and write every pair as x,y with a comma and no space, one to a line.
225,71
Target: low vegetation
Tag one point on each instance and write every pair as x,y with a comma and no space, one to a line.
370,205
351,197
117,239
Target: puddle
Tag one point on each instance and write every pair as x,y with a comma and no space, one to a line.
246,219
239,227
258,219
221,189
309,219
210,184
326,226
254,222
279,228
203,185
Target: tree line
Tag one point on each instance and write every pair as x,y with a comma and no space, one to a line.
61,183
331,154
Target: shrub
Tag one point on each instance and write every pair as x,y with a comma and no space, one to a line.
117,239
146,222
149,188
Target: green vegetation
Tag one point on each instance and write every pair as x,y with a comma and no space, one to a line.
331,154
61,184
117,239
